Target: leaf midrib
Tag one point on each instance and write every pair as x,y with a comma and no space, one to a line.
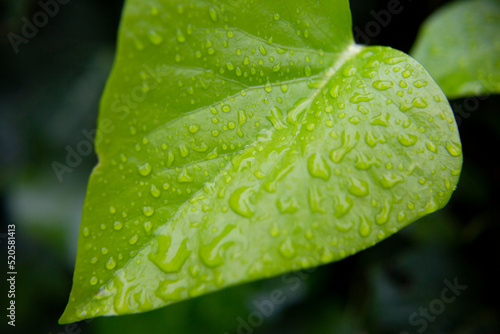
350,52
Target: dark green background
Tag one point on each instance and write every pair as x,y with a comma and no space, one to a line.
49,94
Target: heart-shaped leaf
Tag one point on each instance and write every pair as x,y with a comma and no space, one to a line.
244,139
460,47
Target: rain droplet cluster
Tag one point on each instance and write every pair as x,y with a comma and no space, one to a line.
250,149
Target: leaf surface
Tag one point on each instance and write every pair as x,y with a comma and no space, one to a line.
460,46
244,139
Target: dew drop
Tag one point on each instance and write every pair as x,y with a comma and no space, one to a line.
184,176
148,211
211,253
364,227
334,92
383,85
354,120
180,36
262,50
315,198
286,249
307,71
213,154
170,158
350,71
318,167
242,118
420,103
274,231
93,280
276,118
420,84
155,192
147,227
287,205
170,258
348,144
212,13
454,149
343,225
111,264
117,225
358,188
268,88
388,181
407,139
431,146
134,239
193,128
343,205
364,163
383,216
239,202
145,169
154,37
357,98
183,150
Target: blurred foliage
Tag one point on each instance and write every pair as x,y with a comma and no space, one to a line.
49,94
459,45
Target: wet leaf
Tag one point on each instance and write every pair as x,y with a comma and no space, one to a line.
241,140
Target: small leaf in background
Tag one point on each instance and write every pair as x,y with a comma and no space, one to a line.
242,140
460,46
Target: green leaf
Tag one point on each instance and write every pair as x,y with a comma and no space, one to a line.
244,139
460,46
